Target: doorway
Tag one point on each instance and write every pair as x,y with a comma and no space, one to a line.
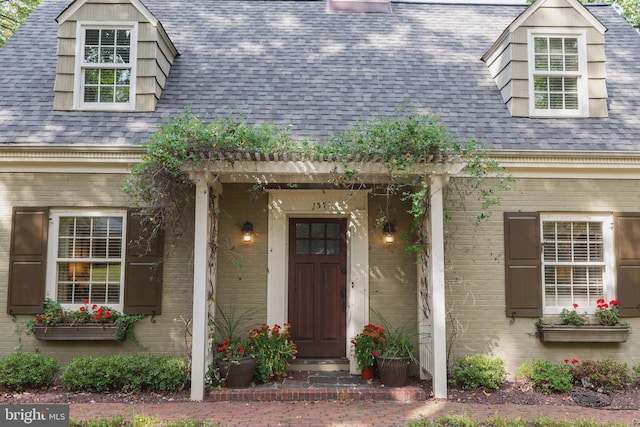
317,293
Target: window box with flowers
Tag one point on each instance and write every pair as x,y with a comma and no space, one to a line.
88,323
577,327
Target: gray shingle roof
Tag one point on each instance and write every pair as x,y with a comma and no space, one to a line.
289,62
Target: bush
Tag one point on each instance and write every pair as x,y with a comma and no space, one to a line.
20,371
130,373
546,377
479,371
608,374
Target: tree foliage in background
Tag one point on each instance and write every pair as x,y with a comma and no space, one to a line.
12,15
629,9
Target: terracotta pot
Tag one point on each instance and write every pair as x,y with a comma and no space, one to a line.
393,371
368,373
237,373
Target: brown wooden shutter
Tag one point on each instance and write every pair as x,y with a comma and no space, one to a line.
627,242
143,270
523,280
28,260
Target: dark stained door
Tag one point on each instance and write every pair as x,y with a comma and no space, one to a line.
317,286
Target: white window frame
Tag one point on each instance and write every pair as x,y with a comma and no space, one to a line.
52,248
608,279
81,66
581,74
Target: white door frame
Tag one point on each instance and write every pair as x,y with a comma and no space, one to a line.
352,205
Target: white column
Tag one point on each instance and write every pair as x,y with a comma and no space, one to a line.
437,291
199,338
357,280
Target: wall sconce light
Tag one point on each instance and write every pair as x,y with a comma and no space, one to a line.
247,232
389,231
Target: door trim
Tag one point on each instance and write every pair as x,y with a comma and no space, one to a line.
284,204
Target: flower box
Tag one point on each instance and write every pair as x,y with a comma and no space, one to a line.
584,333
80,332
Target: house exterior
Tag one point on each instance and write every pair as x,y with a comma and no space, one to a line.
551,89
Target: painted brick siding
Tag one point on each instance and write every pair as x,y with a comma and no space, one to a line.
93,191
242,268
475,272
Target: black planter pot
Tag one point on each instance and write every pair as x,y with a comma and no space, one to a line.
237,373
393,371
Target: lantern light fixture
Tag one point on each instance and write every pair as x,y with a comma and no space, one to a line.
389,231
247,232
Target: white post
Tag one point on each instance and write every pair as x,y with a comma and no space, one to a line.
437,291
199,338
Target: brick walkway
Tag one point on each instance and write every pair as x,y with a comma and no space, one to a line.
343,413
336,399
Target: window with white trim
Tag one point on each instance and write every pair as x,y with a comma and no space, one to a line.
558,74
577,261
105,71
86,258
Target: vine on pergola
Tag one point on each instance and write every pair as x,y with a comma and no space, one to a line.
407,144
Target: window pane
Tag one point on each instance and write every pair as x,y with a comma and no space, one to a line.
122,55
317,247
571,45
91,94
556,101
92,37
333,247
317,230
542,101
123,37
108,37
333,231
302,247
91,55
556,63
556,45
106,94
540,45
571,63
302,230
542,62
122,77
122,94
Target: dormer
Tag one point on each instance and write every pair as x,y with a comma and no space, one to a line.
550,62
112,56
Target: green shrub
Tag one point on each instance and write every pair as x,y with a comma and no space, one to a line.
130,373
20,371
608,374
479,371
546,377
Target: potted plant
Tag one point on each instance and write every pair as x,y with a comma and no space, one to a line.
577,327
234,357
396,354
89,322
366,346
274,349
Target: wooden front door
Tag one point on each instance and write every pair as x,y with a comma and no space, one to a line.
317,286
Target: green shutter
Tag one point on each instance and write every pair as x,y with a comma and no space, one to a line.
28,260
627,241
523,279
143,269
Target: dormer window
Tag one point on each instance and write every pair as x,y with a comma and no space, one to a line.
558,75
105,67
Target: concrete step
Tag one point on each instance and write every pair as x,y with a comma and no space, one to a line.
320,364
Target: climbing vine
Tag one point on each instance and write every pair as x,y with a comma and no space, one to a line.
408,144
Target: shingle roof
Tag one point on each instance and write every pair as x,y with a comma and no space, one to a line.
290,62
